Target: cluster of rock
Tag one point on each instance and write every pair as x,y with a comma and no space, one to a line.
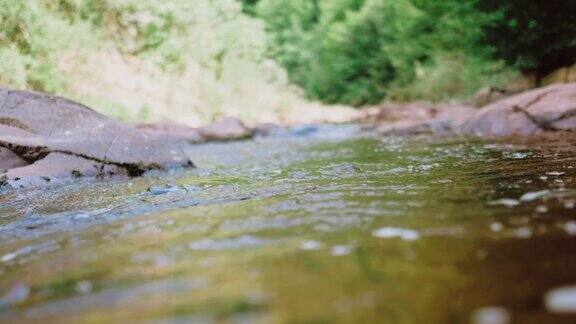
533,112
46,138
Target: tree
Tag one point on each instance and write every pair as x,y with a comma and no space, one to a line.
535,36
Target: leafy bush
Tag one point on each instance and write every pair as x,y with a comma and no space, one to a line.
31,38
143,59
537,36
360,51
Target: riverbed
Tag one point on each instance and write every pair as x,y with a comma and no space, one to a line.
320,224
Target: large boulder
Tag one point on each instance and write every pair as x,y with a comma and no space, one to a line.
551,108
36,126
419,118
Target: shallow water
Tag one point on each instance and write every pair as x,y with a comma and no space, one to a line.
329,225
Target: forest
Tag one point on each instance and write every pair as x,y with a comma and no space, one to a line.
352,52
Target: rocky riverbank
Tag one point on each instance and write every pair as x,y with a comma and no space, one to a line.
46,139
533,112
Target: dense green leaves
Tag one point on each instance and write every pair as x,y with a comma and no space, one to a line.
537,35
361,51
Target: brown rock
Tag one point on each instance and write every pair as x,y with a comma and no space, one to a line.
9,160
424,119
532,112
172,131
225,129
562,75
34,125
57,167
487,95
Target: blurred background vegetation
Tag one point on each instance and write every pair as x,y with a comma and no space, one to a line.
197,60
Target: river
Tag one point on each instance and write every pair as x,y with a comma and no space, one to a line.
325,224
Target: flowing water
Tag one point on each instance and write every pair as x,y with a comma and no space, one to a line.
316,225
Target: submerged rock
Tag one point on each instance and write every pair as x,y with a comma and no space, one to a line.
60,138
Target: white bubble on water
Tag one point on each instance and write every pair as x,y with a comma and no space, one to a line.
310,245
490,315
496,227
8,256
83,287
507,202
395,232
531,196
340,250
570,227
542,209
523,232
561,300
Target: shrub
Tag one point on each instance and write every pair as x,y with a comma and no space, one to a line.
356,51
535,36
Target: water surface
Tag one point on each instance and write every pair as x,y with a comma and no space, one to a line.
322,225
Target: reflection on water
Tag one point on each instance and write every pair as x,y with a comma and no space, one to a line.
327,228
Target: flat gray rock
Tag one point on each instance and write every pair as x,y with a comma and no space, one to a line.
35,126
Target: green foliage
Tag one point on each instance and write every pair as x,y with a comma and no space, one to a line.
192,58
537,36
31,38
359,51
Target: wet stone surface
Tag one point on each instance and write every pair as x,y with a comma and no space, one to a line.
321,225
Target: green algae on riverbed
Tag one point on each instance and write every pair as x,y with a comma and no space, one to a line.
321,229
